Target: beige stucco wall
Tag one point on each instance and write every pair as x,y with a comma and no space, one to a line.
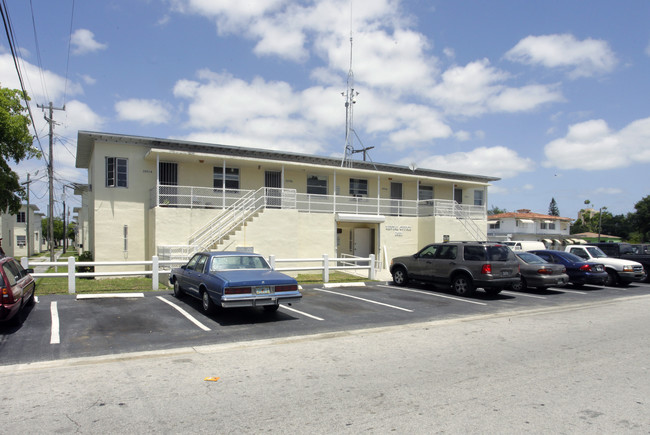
287,234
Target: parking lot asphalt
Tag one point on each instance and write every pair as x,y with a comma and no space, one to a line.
76,326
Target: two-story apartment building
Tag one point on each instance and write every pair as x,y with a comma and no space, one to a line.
148,196
525,225
14,231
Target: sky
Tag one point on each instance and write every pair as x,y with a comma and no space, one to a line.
550,96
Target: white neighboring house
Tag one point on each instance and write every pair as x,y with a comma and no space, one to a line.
149,196
525,225
14,231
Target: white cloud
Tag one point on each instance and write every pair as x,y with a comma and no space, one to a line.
608,191
592,145
582,58
477,88
257,113
496,161
83,42
142,111
33,75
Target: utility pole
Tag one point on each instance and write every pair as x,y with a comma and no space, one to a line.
50,173
29,242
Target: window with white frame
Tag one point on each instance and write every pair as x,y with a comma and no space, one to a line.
20,217
478,197
358,187
317,184
495,225
547,225
229,181
116,172
21,241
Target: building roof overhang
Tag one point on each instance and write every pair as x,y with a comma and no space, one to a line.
360,218
179,148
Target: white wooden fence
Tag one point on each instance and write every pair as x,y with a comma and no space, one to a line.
157,268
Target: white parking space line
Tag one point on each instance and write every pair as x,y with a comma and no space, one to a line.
185,313
55,337
109,295
525,295
284,307
438,295
365,300
571,291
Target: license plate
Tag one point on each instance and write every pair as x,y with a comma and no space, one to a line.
262,290
505,273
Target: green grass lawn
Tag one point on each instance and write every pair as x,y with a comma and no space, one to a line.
59,285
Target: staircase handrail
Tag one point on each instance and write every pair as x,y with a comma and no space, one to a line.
225,222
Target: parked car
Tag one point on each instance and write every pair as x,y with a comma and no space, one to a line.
626,251
620,271
233,279
539,273
524,245
462,265
580,272
17,290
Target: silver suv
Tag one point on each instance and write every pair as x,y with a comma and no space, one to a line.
464,266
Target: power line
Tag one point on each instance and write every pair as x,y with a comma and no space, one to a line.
11,40
67,62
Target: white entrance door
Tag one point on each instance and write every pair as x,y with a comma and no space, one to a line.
362,242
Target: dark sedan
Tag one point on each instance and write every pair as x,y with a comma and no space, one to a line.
580,272
233,279
539,273
17,287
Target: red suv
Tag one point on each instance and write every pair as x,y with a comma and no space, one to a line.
17,288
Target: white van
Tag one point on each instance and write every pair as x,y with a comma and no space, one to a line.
524,245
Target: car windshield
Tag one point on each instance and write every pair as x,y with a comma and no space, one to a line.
531,258
233,262
596,252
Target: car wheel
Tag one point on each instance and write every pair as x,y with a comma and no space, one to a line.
612,278
463,285
399,276
32,299
493,291
19,318
178,292
207,304
271,308
521,285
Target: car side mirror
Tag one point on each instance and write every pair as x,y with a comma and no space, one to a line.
184,266
30,270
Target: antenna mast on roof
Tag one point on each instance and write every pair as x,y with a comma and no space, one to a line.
350,95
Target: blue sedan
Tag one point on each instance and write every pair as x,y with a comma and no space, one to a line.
233,279
580,272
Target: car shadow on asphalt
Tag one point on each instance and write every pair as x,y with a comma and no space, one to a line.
11,327
479,294
236,316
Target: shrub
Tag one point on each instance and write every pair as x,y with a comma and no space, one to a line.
86,256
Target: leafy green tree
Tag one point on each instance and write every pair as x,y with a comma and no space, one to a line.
641,218
58,229
553,210
496,210
15,145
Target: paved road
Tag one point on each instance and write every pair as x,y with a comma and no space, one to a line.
576,368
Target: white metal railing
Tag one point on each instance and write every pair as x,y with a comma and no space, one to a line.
207,197
159,267
194,197
232,218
